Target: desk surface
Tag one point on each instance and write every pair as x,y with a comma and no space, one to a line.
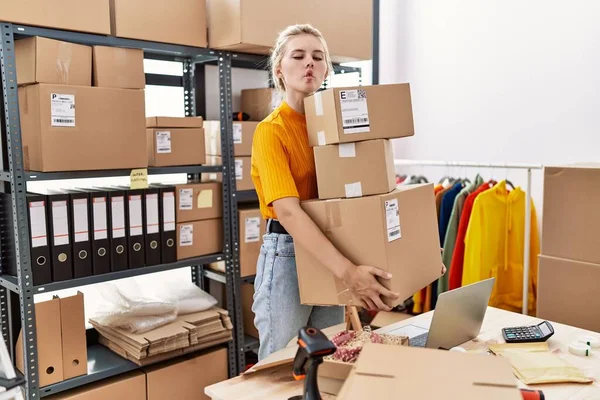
277,383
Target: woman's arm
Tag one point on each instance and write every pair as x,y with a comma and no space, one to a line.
360,279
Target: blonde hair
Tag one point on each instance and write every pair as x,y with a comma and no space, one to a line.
279,50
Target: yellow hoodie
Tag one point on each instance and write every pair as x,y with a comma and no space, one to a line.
494,247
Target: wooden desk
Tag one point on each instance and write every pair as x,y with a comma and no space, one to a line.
277,383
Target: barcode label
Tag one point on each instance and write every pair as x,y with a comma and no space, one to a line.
163,142
252,231
392,214
237,133
186,235
355,113
62,109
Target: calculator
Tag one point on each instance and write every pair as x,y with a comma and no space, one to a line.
526,334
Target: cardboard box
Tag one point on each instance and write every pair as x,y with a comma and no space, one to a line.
243,179
571,228
117,67
186,380
252,229
174,122
355,169
199,238
397,232
43,60
243,133
568,292
259,103
353,114
471,375
248,315
74,343
173,146
49,343
105,131
181,22
385,318
131,386
198,201
247,26
213,176
91,16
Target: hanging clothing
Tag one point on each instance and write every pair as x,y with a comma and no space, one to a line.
494,247
456,266
452,231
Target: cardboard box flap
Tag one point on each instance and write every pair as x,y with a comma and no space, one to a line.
174,122
282,357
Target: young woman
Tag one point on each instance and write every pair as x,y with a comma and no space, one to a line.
283,172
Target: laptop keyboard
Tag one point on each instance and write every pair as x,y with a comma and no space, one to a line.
419,341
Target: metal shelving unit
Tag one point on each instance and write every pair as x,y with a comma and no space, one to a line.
102,363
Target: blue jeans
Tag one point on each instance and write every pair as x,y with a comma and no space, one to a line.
278,312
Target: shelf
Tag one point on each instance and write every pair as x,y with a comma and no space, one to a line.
9,384
10,282
251,343
246,196
102,364
215,275
248,279
45,176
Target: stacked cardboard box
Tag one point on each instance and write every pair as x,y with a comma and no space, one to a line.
199,217
359,209
175,141
569,266
186,334
68,125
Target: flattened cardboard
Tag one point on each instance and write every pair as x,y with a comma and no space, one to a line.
207,202
139,19
207,238
118,67
108,133
377,374
131,386
172,381
358,228
174,122
186,147
389,112
355,169
259,103
242,139
571,228
49,343
568,292
43,60
74,344
250,244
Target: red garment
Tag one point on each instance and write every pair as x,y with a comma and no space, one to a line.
458,257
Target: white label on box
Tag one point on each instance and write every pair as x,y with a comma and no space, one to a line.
237,133
37,215
239,169
186,197
186,235
62,107
347,150
100,220
60,223
392,215
355,114
163,142
135,215
169,211
118,217
353,189
152,213
80,220
252,233
321,138
318,104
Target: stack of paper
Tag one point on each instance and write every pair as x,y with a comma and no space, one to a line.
186,334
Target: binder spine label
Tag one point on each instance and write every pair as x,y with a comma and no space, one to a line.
37,215
60,223
80,223
100,220
169,211
135,215
118,217
152,213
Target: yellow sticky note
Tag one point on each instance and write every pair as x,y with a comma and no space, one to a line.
139,178
205,198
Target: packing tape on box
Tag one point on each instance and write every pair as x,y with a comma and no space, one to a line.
333,215
347,150
321,138
580,349
592,341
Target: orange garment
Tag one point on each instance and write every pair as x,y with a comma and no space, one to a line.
283,164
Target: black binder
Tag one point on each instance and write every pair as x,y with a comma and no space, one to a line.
117,218
135,228
168,234
80,232
152,226
59,222
39,238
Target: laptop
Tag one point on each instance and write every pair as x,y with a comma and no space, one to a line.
457,318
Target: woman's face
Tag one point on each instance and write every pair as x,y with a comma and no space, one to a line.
303,66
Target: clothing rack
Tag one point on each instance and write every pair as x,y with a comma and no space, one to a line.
529,168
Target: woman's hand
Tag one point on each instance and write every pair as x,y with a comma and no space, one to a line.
362,283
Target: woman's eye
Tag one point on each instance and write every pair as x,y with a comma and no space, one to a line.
298,57
317,58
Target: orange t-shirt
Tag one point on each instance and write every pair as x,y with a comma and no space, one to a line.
283,163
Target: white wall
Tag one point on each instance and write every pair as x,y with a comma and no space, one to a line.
496,80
